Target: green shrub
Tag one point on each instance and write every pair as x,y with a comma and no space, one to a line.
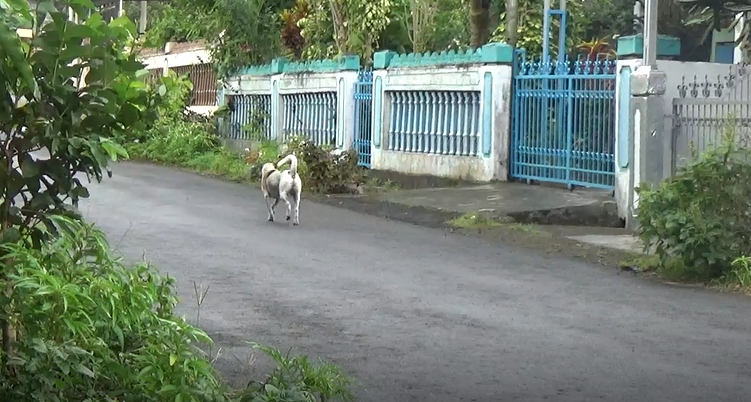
327,172
178,142
739,276
92,329
295,379
702,215
321,170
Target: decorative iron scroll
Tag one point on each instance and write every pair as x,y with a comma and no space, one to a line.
720,87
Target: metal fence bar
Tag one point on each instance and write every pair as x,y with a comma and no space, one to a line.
435,122
249,117
312,115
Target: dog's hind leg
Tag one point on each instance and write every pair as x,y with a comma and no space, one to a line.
297,209
273,207
285,197
270,208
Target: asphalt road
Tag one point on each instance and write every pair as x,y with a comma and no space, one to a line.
419,314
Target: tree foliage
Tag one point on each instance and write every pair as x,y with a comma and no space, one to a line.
255,31
239,32
66,94
716,14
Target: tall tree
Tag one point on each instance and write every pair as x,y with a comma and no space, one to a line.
512,22
479,22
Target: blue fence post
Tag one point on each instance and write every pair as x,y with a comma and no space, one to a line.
363,129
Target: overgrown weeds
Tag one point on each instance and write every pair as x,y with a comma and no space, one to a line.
698,222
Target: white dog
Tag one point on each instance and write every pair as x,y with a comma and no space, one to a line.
290,187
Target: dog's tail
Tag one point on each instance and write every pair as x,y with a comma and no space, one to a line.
292,159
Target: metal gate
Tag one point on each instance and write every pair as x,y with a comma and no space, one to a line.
563,120
363,116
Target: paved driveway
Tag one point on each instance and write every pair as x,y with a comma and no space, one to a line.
418,314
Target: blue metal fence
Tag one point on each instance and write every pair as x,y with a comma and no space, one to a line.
563,128
435,122
312,115
363,116
250,117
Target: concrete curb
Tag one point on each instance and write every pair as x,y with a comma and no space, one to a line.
600,214
422,216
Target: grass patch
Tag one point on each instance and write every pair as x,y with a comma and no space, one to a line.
526,228
641,262
191,146
473,220
376,185
738,278
670,269
478,220
223,163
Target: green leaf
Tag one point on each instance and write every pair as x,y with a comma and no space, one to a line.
85,371
78,31
167,388
80,192
85,3
271,390
113,149
29,167
120,336
14,54
10,235
39,345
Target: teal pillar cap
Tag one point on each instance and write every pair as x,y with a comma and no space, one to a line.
633,46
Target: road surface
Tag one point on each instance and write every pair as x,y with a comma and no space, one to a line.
418,314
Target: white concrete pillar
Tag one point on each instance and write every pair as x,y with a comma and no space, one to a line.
345,109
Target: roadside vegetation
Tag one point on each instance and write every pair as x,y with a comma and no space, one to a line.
77,323
697,224
178,137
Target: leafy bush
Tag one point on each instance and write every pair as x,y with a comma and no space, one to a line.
328,171
93,329
702,215
321,168
177,142
295,379
271,151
